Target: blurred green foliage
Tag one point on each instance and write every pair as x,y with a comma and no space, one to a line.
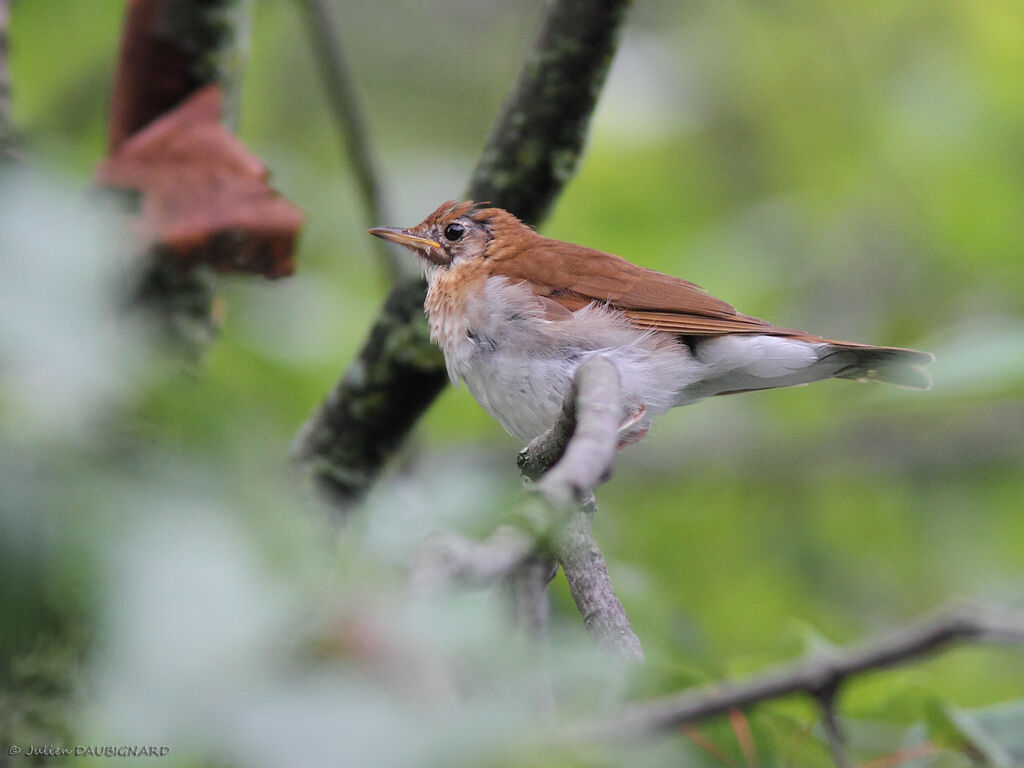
853,167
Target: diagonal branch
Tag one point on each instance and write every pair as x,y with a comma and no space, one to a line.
535,145
814,677
530,154
576,454
325,34
581,445
591,587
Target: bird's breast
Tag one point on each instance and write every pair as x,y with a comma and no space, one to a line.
479,320
451,295
517,358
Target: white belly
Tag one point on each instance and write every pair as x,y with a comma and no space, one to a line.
519,365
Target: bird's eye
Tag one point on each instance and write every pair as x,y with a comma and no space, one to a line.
454,231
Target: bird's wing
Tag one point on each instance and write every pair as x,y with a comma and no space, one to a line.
575,276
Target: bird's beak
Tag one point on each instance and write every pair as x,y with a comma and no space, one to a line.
402,237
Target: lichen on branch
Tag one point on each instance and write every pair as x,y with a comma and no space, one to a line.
530,154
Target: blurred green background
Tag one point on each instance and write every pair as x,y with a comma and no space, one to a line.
852,167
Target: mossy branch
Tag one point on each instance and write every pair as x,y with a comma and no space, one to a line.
530,154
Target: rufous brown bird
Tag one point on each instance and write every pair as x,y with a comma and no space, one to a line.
515,314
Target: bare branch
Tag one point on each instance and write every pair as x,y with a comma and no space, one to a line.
582,444
586,432
587,459
816,675
530,154
529,587
325,33
591,588
833,730
546,450
583,441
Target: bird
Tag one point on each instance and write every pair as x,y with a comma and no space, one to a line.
515,314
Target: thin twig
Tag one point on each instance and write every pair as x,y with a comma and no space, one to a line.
325,34
744,737
833,730
545,450
531,153
529,587
811,677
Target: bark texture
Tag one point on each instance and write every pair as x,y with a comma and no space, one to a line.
531,152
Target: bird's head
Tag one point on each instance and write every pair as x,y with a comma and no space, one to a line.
455,233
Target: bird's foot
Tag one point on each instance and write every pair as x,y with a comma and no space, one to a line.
628,434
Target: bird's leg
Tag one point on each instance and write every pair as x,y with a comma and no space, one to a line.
628,435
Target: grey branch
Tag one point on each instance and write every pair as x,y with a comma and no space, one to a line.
575,455
530,154
325,34
578,451
816,676
568,461
582,443
833,730
591,588
528,588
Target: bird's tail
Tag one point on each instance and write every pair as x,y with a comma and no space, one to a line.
893,365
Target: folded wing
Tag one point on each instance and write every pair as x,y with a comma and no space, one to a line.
574,276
